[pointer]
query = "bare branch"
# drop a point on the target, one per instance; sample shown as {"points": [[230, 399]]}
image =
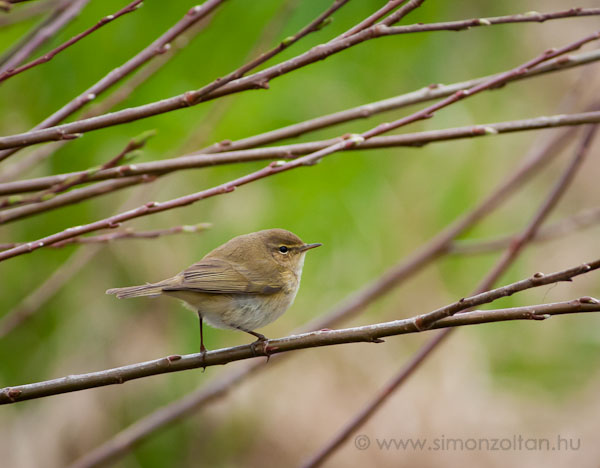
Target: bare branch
{"points": [[372, 19], [79, 178], [277, 167], [428, 93], [156, 48], [368, 333], [23, 14], [200, 160], [401, 12], [124, 234], [63, 15], [255, 81], [50, 55], [114, 99], [561, 228]]}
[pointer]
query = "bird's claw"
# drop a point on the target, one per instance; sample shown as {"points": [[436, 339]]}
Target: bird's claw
{"points": [[266, 349]]}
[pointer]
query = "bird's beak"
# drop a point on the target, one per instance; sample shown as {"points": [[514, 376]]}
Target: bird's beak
{"points": [[306, 247]]}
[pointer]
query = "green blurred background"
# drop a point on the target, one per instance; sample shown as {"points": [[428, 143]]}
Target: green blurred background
{"points": [[369, 209]]}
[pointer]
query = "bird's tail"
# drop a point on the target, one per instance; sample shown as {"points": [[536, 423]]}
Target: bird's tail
{"points": [[137, 291]]}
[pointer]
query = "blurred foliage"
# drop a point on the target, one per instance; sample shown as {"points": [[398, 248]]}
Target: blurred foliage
{"points": [[368, 208]]}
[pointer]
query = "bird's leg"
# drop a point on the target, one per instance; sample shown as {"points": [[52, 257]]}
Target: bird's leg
{"points": [[202, 347], [260, 339]]}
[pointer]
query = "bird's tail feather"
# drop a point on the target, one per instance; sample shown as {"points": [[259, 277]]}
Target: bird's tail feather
{"points": [[137, 291]]}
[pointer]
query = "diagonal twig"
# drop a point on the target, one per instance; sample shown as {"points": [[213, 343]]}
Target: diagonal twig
{"points": [[428, 320], [277, 167], [259, 80], [561, 228], [63, 15], [50, 55], [200, 160]]}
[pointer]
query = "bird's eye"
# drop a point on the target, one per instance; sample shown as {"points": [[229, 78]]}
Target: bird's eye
{"points": [[283, 249]]}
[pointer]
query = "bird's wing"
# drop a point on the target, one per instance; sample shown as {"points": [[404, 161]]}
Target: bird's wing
{"points": [[222, 277]]}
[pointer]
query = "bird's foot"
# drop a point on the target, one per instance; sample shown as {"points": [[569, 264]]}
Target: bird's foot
{"points": [[265, 349]]}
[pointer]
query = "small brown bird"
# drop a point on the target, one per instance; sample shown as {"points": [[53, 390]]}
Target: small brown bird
{"points": [[244, 284]]}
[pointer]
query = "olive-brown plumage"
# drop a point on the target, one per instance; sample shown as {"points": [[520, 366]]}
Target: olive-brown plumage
{"points": [[244, 284]]}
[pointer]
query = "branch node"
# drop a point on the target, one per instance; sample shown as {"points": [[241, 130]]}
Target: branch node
{"points": [[70, 136], [174, 357], [418, 322], [588, 300], [189, 98], [194, 10]]}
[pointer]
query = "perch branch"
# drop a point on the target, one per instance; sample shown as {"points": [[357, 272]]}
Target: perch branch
{"points": [[368, 333]]}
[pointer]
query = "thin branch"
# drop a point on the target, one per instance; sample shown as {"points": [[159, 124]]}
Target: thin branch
{"points": [[401, 12], [583, 220], [28, 306], [547, 206], [428, 93], [426, 321], [48, 288], [278, 167], [63, 15], [368, 333], [372, 19], [22, 14], [269, 34], [70, 198], [195, 161], [113, 100], [260, 80], [50, 55], [81, 177], [474, 22], [157, 47], [124, 234]]}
